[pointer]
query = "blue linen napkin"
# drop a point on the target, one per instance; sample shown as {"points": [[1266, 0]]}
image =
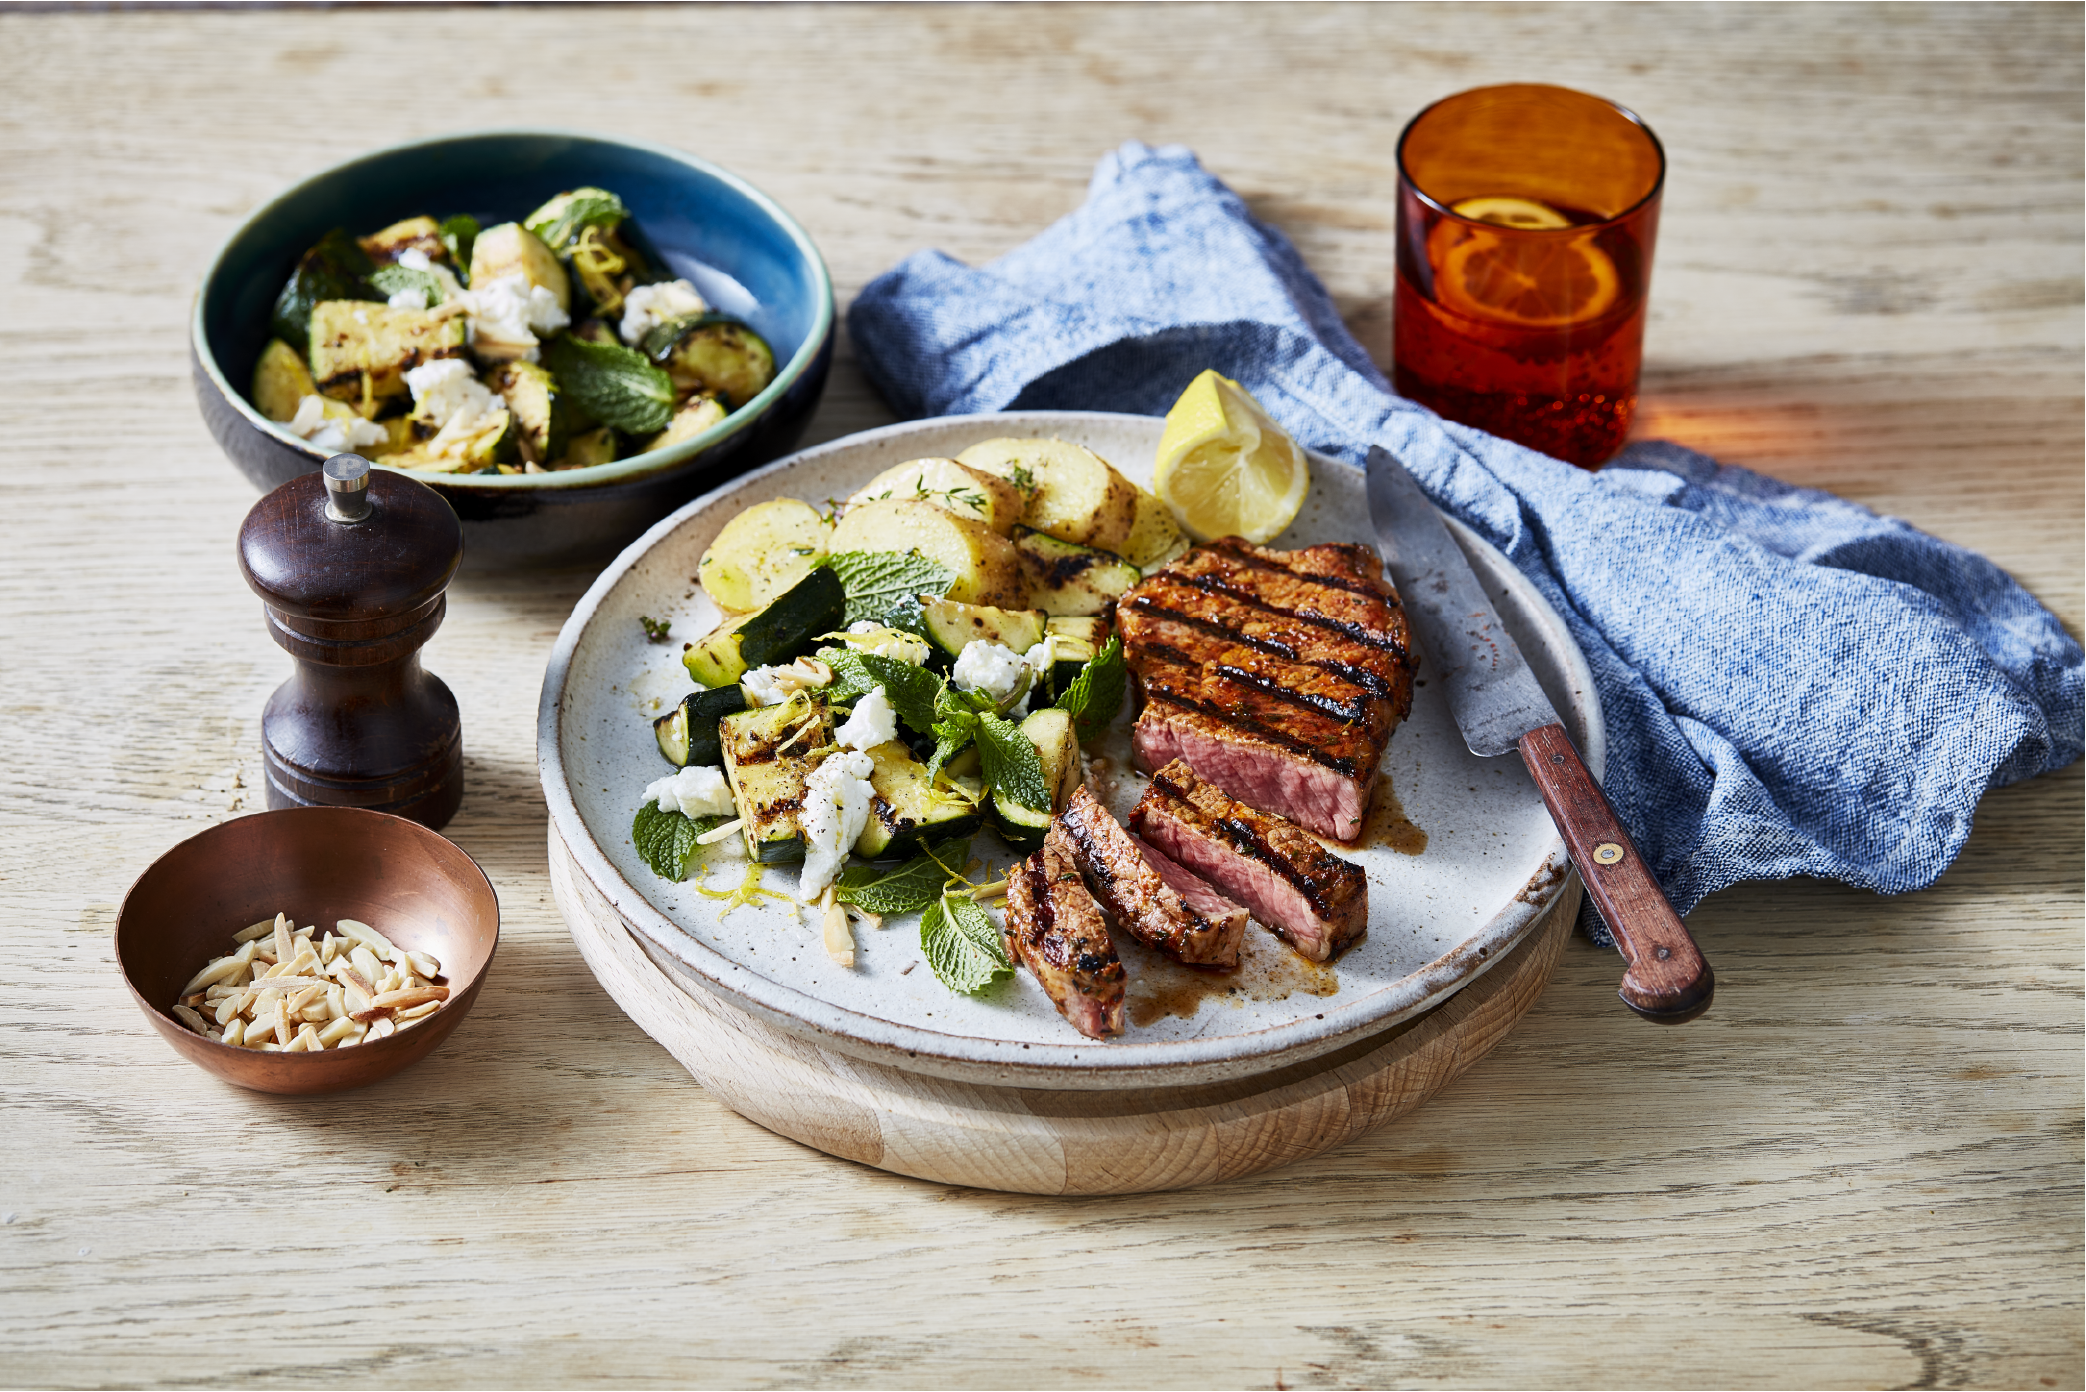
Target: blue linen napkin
{"points": [[1793, 684]]}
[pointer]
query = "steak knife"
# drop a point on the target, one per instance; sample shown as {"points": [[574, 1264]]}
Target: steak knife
{"points": [[1499, 707]]}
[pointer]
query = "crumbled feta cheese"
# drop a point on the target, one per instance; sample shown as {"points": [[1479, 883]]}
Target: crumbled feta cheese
{"points": [[993, 668], [508, 314], [1039, 658], [696, 791], [335, 436], [361, 317], [648, 306], [893, 643], [836, 807], [874, 722], [771, 686], [445, 392], [417, 297]]}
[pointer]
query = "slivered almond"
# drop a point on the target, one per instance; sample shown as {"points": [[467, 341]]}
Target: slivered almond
{"points": [[363, 933], [399, 1000], [287, 989]]}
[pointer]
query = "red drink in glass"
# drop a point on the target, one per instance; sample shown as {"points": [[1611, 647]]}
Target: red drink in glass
{"points": [[1526, 218]]}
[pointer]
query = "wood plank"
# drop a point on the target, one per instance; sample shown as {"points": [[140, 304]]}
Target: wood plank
{"points": [[1861, 1168]]}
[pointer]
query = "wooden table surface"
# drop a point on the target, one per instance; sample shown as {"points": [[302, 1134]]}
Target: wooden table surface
{"points": [[1862, 1168]]}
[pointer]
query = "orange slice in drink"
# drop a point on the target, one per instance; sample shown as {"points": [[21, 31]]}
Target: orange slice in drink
{"points": [[1527, 282]]}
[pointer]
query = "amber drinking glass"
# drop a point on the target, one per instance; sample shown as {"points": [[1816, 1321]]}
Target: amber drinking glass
{"points": [[1526, 215]]}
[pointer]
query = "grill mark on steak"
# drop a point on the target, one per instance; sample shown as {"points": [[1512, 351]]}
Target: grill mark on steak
{"points": [[1277, 675], [1239, 552], [1359, 633], [1150, 606], [1134, 893], [1247, 840], [1312, 898], [1310, 700], [1055, 929]]}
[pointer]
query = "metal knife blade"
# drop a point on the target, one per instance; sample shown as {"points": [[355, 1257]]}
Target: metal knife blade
{"points": [[1491, 691]]}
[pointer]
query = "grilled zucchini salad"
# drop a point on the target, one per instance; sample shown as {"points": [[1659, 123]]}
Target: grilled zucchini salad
{"points": [[894, 676], [555, 342]]}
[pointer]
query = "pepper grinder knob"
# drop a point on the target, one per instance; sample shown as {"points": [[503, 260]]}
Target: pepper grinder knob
{"points": [[352, 566], [347, 488]]}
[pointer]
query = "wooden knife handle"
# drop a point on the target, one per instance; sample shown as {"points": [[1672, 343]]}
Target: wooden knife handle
{"points": [[1668, 980]]}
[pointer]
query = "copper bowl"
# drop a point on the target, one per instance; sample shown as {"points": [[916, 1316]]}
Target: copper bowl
{"points": [[317, 864]]}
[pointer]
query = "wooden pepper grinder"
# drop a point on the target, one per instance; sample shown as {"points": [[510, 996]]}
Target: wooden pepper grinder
{"points": [[351, 566]]}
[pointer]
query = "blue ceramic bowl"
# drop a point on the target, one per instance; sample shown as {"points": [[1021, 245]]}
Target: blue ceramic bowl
{"points": [[745, 254]]}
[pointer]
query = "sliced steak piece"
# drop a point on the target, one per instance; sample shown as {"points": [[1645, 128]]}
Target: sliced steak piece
{"points": [[1278, 675], [1055, 929], [1195, 891], [1301, 890], [1135, 895]]}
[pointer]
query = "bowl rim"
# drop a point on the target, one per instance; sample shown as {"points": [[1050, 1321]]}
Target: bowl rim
{"points": [[618, 471], [465, 992]]}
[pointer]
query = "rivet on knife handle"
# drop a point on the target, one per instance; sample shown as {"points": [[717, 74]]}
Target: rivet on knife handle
{"points": [[1668, 979]]}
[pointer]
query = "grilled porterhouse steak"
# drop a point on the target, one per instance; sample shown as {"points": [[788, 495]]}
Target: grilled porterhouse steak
{"points": [[1295, 886], [1278, 675], [1055, 929], [1136, 896]]}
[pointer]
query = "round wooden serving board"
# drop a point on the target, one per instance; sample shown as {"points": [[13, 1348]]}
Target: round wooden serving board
{"points": [[1048, 1141]]}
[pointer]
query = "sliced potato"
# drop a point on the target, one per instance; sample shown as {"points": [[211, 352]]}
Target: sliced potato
{"points": [[1078, 498], [952, 487], [987, 570], [1155, 538], [762, 552]]}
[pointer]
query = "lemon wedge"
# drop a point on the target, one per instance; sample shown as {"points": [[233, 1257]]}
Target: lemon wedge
{"points": [[1225, 468]]}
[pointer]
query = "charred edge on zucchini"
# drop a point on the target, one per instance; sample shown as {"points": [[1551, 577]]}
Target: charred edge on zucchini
{"points": [[688, 733]]}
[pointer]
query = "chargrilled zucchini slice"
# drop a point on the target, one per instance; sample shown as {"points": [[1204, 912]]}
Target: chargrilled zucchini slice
{"points": [[362, 350], [955, 626], [687, 734], [281, 380], [540, 412], [812, 606], [1067, 579], [1057, 747], [767, 758], [909, 807]]}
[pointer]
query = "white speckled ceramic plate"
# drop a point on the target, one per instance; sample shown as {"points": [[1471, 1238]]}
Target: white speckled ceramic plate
{"points": [[1491, 864]]}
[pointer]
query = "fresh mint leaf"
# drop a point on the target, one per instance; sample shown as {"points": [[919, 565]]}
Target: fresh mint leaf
{"points": [[560, 221], [459, 234], [1096, 694], [912, 690], [666, 840], [961, 945], [910, 887], [391, 279], [613, 385], [1013, 769], [334, 268], [884, 586], [955, 725], [851, 680]]}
